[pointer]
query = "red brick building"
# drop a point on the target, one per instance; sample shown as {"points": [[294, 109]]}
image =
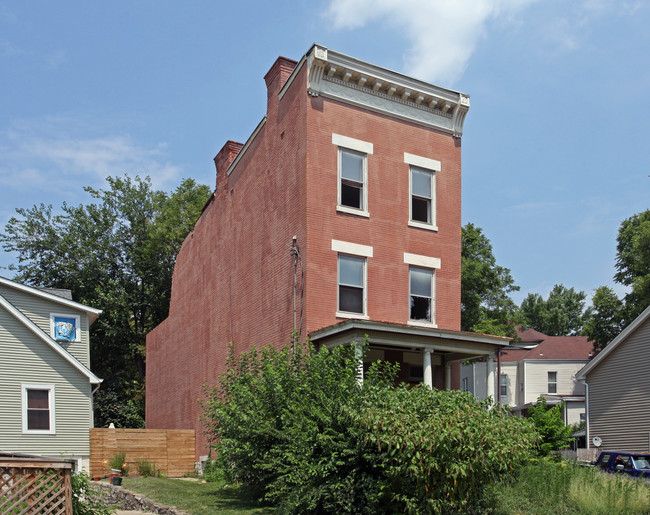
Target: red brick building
{"points": [[340, 216]]}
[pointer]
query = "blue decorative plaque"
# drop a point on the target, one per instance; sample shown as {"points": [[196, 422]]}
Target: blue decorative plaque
{"points": [[65, 329]]}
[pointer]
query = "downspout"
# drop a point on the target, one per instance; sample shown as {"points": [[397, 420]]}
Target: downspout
{"points": [[499, 376]]}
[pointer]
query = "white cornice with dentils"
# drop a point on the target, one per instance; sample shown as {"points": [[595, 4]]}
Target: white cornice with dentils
{"points": [[347, 79]]}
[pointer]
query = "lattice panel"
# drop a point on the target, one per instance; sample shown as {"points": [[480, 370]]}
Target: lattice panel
{"points": [[27, 491]]}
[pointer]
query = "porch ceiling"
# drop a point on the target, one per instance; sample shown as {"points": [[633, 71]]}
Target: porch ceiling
{"points": [[455, 345]]}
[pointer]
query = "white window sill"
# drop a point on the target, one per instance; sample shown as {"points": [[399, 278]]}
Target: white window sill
{"points": [[418, 323], [358, 316], [422, 225], [37, 432], [353, 211]]}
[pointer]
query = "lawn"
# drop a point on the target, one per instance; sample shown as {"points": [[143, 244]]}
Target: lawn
{"points": [[195, 497]]}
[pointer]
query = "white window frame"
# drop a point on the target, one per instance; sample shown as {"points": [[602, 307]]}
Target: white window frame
{"points": [[51, 408], [549, 382], [503, 384], [361, 147], [77, 337], [434, 264], [357, 251], [429, 165]]}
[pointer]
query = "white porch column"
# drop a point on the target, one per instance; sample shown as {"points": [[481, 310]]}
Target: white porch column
{"points": [[490, 376], [447, 376], [358, 354], [426, 366]]}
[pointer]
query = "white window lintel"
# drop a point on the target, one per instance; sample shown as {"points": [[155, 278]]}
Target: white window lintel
{"points": [[422, 162], [352, 143], [353, 249], [423, 261]]}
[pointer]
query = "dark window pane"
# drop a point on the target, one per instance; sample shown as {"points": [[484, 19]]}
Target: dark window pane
{"points": [[420, 308], [420, 210], [38, 420], [351, 195], [351, 299], [351, 271], [421, 183], [38, 399], [421, 281], [352, 165], [552, 388]]}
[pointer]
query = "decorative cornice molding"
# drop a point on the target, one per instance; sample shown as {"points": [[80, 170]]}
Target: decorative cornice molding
{"points": [[356, 82]]}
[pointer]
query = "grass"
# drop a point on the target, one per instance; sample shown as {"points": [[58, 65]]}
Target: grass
{"points": [[195, 497], [547, 488]]}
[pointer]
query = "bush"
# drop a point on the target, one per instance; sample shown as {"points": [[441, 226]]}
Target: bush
{"points": [[147, 469], [118, 462], [297, 427], [85, 500], [548, 422]]}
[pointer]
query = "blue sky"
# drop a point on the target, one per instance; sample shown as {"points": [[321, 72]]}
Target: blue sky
{"points": [[555, 145]]}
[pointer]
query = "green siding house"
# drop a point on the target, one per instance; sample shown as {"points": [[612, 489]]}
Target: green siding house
{"points": [[46, 386]]}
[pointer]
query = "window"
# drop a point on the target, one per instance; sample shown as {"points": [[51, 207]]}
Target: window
{"points": [[421, 293], [38, 408], [352, 174], [421, 289], [351, 284], [351, 278], [465, 386], [65, 328], [552, 382], [416, 373], [504, 385], [422, 188], [421, 195]]}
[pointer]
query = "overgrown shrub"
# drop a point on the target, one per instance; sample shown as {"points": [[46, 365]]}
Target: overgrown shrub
{"points": [[297, 426]]}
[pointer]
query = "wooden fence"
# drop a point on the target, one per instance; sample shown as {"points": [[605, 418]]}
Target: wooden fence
{"points": [[170, 450], [35, 485]]}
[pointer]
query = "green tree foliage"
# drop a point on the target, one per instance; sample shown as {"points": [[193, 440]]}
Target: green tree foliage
{"points": [[297, 426], [485, 304], [633, 262], [561, 314], [550, 426], [607, 317], [116, 254]]}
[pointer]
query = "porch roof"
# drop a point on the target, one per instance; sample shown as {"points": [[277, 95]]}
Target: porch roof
{"points": [[455, 345]]}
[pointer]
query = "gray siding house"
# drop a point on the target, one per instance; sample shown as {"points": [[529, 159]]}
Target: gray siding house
{"points": [[46, 386], [618, 391]]}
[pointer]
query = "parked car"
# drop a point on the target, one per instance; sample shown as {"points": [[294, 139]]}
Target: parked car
{"points": [[631, 463]]}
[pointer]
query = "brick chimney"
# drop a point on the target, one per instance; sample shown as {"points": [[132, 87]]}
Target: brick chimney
{"points": [[223, 160], [276, 77]]}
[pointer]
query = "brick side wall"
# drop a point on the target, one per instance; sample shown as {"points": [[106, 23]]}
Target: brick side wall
{"points": [[233, 280]]}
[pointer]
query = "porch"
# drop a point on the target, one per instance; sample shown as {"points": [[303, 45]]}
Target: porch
{"points": [[425, 354]]}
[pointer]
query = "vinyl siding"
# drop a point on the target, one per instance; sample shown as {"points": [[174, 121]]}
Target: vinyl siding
{"points": [[619, 395], [573, 411], [25, 359], [537, 378], [38, 311]]}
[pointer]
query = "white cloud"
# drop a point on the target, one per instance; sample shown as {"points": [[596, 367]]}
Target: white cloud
{"points": [[60, 155], [443, 34]]}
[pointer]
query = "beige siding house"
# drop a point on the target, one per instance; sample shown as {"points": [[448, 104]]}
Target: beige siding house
{"points": [[537, 365], [618, 391], [46, 386]]}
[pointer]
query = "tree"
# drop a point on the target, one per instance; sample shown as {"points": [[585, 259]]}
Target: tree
{"points": [[485, 304], [607, 317], [555, 435], [633, 262], [116, 254], [561, 314]]}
